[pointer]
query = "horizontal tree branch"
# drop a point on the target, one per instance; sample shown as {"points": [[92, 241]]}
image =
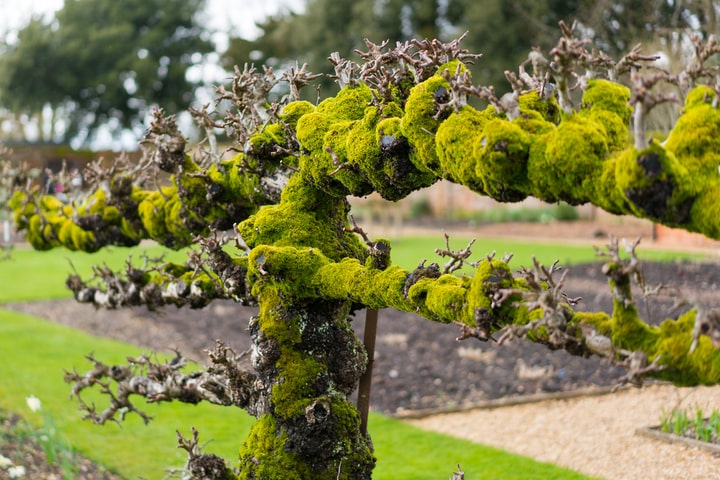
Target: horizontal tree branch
{"points": [[531, 306], [229, 381]]}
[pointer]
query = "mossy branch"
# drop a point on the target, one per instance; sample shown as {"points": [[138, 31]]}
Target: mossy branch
{"points": [[209, 274], [493, 300]]}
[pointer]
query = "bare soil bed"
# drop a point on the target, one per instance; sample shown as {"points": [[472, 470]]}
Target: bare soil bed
{"points": [[419, 366]]}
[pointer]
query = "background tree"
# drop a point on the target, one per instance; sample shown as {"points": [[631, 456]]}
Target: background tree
{"points": [[333, 26], [400, 122], [505, 31], [101, 63]]}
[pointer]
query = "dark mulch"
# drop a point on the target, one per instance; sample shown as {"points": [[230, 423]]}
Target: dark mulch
{"points": [[418, 363]]}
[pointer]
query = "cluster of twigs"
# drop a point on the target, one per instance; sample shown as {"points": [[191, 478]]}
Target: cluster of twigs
{"points": [[229, 380]]}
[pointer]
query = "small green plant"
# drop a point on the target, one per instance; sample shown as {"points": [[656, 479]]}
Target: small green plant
{"points": [[57, 450], [714, 423], [674, 422], [699, 426]]}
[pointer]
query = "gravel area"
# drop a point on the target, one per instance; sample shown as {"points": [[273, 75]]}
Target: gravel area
{"points": [[594, 435]]}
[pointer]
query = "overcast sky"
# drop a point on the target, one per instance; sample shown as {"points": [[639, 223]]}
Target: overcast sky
{"points": [[225, 15]]}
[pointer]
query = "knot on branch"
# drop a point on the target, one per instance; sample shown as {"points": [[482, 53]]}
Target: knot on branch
{"points": [[167, 140], [201, 465], [421, 271], [483, 328], [707, 323]]}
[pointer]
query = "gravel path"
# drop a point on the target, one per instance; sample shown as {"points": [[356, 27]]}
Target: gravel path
{"points": [[593, 435]]}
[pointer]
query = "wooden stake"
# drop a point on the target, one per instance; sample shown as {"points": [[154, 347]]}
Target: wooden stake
{"points": [[363, 401]]}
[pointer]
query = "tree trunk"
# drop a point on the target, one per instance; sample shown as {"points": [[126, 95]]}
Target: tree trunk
{"points": [[309, 360]]}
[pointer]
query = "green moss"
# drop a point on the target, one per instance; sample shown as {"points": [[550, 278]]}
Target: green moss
{"points": [[501, 156], [175, 217], [306, 217], [75, 238], [655, 184], [327, 144], [491, 276], [455, 138], [565, 164], [699, 96], [296, 379], [391, 110], [349, 279], [702, 367], [323, 167], [607, 194], [232, 186], [49, 203], [390, 171], [349, 104], [606, 104], [600, 321], [263, 455], [695, 141], [311, 129], [443, 298], [152, 214], [291, 268], [531, 103], [608, 96], [419, 126], [614, 128], [284, 225], [629, 331], [361, 148], [268, 450], [263, 141], [293, 111], [705, 212]]}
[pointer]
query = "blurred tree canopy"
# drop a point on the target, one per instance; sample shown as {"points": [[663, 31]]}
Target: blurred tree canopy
{"points": [[99, 63], [504, 31]]}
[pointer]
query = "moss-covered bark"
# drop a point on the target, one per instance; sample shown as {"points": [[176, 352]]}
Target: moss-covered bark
{"points": [[307, 271]]}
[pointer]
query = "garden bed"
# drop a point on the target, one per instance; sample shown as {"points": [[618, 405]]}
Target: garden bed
{"points": [[418, 363], [656, 433]]}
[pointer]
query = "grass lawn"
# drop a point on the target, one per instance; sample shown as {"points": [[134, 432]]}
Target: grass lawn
{"points": [[32, 275], [37, 352], [408, 251]]}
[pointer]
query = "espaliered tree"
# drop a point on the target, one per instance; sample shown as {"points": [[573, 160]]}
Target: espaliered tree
{"points": [[400, 122]]}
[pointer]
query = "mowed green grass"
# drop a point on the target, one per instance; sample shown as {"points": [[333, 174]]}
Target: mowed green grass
{"points": [[409, 251], [32, 275], [37, 351]]}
